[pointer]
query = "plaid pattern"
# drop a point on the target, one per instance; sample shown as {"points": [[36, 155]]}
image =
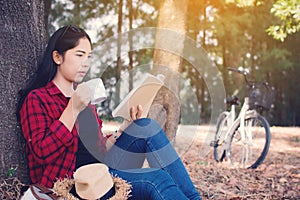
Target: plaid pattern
{"points": [[51, 147]]}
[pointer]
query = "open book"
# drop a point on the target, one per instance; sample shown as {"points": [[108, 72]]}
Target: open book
{"points": [[143, 94]]}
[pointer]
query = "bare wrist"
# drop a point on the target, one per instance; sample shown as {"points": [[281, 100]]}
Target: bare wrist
{"points": [[69, 116]]}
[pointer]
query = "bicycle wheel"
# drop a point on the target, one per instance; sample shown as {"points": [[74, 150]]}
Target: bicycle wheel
{"points": [[251, 152], [222, 127]]}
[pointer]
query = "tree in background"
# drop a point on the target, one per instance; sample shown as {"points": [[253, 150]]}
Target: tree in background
{"points": [[119, 46], [166, 105], [198, 25], [288, 13], [22, 42]]}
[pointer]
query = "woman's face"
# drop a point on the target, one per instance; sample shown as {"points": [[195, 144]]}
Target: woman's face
{"points": [[75, 63]]}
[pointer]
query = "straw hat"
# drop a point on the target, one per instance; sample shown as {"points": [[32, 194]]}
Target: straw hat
{"points": [[92, 181]]}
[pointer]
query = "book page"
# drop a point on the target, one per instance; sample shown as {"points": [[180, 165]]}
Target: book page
{"points": [[143, 94]]}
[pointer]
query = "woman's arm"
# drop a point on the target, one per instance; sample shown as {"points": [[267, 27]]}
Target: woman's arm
{"points": [[46, 136], [79, 100]]}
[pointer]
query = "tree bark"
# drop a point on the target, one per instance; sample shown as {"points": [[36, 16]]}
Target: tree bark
{"points": [[166, 106], [202, 97], [22, 41], [119, 60], [47, 10], [130, 53]]}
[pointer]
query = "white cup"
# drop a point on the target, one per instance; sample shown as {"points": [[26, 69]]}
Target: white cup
{"points": [[97, 89]]}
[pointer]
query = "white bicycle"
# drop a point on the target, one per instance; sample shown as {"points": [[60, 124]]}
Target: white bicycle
{"points": [[245, 139]]}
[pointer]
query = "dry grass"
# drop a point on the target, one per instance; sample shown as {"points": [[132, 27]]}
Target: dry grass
{"points": [[278, 177]]}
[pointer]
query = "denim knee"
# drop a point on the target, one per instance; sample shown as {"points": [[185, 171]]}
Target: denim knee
{"points": [[145, 122], [143, 128]]}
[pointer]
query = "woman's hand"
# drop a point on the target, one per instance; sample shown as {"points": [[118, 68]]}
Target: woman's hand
{"points": [[136, 113], [79, 101], [80, 98]]}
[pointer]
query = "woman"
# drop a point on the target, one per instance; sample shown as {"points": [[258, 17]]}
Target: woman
{"points": [[51, 113]]}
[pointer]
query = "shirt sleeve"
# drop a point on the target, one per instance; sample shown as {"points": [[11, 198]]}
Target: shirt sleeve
{"points": [[47, 137]]}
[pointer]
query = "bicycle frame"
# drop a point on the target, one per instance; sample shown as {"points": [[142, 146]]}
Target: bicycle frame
{"points": [[231, 118]]}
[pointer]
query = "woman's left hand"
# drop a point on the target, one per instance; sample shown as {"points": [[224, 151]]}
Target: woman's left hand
{"points": [[136, 113]]}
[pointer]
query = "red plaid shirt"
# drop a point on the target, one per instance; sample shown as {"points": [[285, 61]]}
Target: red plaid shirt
{"points": [[51, 147]]}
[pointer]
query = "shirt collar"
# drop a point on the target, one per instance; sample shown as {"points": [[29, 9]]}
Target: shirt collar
{"points": [[52, 88]]}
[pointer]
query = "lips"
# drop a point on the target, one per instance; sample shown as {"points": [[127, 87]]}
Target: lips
{"points": [[82, 73]]}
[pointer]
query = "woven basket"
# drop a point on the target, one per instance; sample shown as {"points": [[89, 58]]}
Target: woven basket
{"points": [[260, 95]]}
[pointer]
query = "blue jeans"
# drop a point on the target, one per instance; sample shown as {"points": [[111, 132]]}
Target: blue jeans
{"points": [[166, 178]]}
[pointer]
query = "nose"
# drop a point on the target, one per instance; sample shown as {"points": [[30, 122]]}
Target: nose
{"points": [[86, 63]]}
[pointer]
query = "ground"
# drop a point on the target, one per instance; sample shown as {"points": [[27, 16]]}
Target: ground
{"points": [[278, 177]]}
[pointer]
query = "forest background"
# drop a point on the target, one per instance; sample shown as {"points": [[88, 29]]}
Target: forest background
{"points": [[233, 34]]}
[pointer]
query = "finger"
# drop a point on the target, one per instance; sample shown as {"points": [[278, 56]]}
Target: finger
{"points": [[84, 92], [139, 111], [87, 100], [132, 113]]}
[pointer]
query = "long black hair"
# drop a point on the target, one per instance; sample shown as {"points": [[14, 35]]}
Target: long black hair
{"points": [[62, 40]]}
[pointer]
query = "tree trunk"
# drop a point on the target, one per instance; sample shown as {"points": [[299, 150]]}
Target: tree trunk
{"points": [[22, 41], [47, 10], [202, 97], [77, 13], [130, 53], [119, 61], [166, 106]]}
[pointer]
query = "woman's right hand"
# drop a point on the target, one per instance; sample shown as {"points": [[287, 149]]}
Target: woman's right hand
{"points": [[79, 101], [80, 98]]}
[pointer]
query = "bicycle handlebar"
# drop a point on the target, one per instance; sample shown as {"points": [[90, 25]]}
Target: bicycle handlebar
{"points": [[233, 69], [243, 72], [261, 93]]}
